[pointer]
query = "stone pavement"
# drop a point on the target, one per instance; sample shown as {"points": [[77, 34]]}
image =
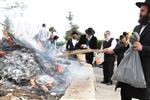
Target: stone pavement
{"points": [[105, 92]]}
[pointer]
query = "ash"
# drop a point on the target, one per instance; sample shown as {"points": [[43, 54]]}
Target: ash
{"points": [[19, 65], [16, 69]]}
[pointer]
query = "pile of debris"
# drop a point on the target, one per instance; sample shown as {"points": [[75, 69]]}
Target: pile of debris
{"points": [[17, 69], [31, 71], [19, 65]]}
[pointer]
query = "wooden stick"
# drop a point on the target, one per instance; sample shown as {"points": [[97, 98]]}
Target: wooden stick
{"points": [[80, 51]]}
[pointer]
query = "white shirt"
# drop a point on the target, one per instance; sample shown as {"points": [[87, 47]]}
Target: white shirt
{"points": [[74, 41], [142, 29], [43, 34]]}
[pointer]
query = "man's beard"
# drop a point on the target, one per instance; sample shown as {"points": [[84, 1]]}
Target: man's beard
{"points": [[144, 20]]}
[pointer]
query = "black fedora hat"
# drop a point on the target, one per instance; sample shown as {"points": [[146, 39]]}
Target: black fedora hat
{"points": [[90, 31], [147, 2]]}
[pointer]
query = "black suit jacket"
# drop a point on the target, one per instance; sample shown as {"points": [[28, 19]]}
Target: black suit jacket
{"points": [[145, 61], [145, 53], [70, 46], [92, 45], [92, 42]]}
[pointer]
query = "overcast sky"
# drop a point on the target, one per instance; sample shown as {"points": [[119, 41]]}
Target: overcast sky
{"points": [[114, 15]]}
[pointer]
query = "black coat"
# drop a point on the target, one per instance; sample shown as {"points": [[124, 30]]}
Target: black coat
{"points": [[145, 61], [92, 42], [70, 46], [145, 53], [92, 45], [119, 51]]}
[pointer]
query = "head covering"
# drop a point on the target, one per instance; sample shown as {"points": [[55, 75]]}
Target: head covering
{"points": [[90, 31], [147, 2], [125, 33]]}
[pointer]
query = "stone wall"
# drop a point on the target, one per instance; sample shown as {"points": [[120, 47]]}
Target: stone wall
{"points": [[82, 86]]}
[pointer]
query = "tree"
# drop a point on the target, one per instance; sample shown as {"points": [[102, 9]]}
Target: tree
{"points": [[52, 30], [99, 43], [72, 27]]}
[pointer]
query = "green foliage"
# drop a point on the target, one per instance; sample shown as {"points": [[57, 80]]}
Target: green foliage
{"points": [[99, 43], [61, 43], [52, 29], [68, 34], [73, 27]]}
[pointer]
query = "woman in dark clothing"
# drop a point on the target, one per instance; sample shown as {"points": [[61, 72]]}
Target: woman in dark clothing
{"points": [[120, 48], [72, 44]]}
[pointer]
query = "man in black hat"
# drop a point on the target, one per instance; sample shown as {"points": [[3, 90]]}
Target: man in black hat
{"points": [[88, 41], [143, 46]]}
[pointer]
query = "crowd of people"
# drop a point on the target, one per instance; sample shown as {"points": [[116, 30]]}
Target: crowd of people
{"points": [[45, 38], [113, 49]]}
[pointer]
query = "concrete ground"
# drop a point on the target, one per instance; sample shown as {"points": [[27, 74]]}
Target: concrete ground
{"points": [[105, 92]]}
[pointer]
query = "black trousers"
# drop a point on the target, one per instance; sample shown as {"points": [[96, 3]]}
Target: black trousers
{"points": [[108, 67], [89, 58], [125, 96]]}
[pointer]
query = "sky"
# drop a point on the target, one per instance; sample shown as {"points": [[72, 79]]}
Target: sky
{"points": [[116, 16]]}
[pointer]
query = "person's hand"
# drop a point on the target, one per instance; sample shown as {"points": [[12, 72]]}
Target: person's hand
{"points": [[88, 48], [83, 46], [107, 51], [59, 68], [137, 46]]}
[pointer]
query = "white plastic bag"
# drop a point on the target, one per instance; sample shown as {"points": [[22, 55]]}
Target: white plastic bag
{"points": [[130, 69], [99, 57]]}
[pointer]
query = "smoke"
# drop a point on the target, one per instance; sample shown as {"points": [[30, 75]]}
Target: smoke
{"points": [[47, 58]]}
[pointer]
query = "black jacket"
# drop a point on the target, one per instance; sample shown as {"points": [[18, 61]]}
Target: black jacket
{"points": [[70, 46], [119, 51], [92, 44], [145, 53], [145, 61]]}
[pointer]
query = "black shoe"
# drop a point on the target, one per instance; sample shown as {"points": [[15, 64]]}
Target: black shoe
{"points": [[104, 82], [109, 83]]}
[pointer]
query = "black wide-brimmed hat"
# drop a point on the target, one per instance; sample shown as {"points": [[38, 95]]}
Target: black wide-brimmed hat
{"points": [[90, 31], [147, 2]]}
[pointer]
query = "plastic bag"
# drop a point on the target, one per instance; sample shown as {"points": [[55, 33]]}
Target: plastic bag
{"points": [[130, 69], [99, 57]]}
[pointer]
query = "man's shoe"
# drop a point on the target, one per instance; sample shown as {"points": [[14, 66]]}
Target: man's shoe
{"points": [[104, 82], [109, 83]]}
